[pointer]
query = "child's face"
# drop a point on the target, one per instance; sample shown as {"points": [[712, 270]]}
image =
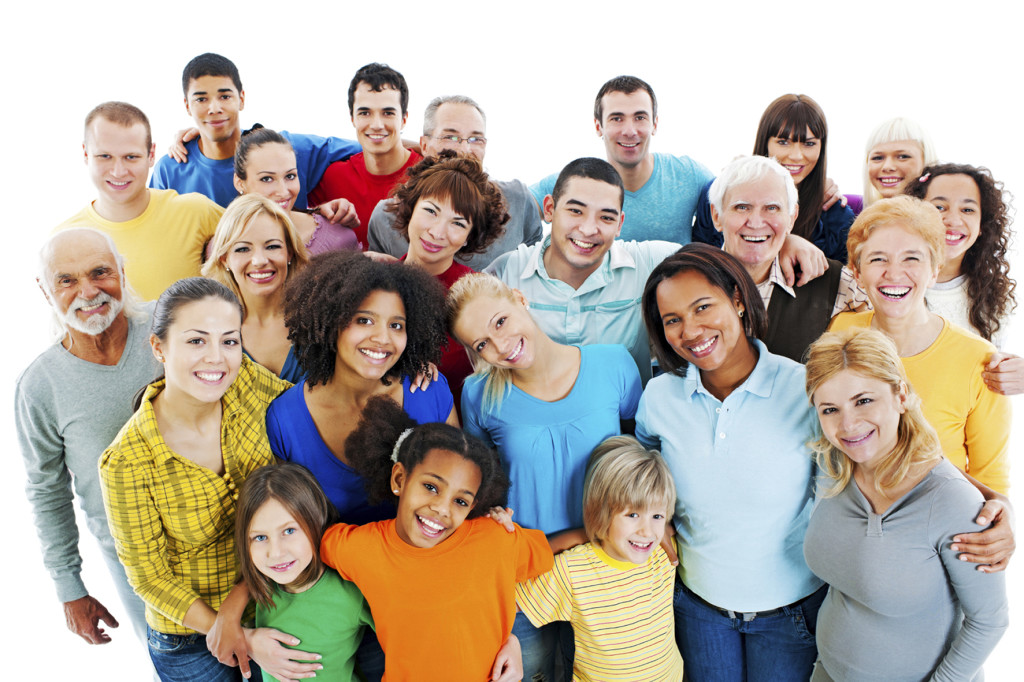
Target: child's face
{"points": [[279, 548], [635, 534], [435, 497]]}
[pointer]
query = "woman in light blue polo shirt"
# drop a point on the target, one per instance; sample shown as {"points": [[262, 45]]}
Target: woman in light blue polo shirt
{"points": [[732, 421]]}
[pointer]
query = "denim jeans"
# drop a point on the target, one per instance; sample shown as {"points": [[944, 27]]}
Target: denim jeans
{"points": [[540, 646], [185, 658], [717, 648]]}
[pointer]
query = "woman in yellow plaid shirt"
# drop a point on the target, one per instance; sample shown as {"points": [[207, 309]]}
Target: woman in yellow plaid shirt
{"points": [[171, 477]]}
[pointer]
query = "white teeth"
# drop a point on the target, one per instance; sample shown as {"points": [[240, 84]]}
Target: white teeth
{"points": [[894, 292], [119, 184], [754, 239], [857, 439], [889, 182], [261, 275], [375, 354], [516, 351], [90, 308], [210, 376], [583, 245], [629, 145], [641, 545], [954, 237], [702, 347], [431, 524]]}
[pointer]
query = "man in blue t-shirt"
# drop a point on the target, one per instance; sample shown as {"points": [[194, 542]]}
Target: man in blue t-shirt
{"points": [[203, 160], [661, 190]]}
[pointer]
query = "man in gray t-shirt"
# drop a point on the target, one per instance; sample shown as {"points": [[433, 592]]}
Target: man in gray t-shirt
{"points": [[70, 403], [457, 122]]}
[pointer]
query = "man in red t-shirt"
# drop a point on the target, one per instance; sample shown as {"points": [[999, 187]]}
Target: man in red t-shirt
{"points": [[378, 101]]}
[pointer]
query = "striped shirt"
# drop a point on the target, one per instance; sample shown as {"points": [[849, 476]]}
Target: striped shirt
{"points": [[173, 521], [621, 613]]}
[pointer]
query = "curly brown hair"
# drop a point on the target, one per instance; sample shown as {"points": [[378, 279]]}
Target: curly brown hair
{"points": [[462, 181], [323, 299], [990, 291]]}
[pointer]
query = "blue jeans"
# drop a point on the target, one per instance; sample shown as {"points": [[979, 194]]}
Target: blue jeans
{"points": [[185, 658], [539, 647], [717, 648]]}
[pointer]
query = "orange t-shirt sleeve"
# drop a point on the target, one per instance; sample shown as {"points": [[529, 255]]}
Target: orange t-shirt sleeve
{"points": [[336, 549], [533, 554]]}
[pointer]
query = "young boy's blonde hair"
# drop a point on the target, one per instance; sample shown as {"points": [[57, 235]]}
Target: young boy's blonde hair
{"points": [[622, 474]]}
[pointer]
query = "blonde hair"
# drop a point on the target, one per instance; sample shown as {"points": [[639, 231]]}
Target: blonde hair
{"points": [[896, 130], [474, 285], [913, 215], [871, 354], [622, 474], [236, 219]]}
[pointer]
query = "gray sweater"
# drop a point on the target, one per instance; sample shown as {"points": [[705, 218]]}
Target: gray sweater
{"points": [[900, 605], [523, 227], [67, 411]]}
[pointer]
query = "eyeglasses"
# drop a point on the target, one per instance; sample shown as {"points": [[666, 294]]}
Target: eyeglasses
{"points": [[457, 140]]}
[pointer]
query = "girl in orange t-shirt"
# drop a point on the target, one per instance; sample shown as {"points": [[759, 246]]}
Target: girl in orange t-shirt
{"points": [[440, 580]]}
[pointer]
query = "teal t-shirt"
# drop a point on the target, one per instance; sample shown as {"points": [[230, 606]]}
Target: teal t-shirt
{"points": [[328, 619]]}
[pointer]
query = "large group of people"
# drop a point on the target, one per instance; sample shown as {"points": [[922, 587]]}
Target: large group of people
{"points": [[365, 418]]}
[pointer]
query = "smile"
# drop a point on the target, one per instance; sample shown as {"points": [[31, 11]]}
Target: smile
{"points": [[857, 440], [516, 352], [894, 293], [889, 181], [629, 145], [704, 348], [261, 276], [793, 169], [430, 247], [641, 546], [954, 238], [754, 238], [210, 377], [282, 568], [431, 529], [90, 308], [376, 355], [583, 246], [119, 184]]}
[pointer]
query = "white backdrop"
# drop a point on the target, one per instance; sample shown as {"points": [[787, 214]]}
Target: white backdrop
{"points": [[535, 68]]}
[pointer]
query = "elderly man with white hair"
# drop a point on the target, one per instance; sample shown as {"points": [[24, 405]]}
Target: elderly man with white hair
{"points": [[68, 406], [754, 206]]}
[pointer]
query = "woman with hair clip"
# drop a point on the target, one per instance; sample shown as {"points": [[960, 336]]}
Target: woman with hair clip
{"points": [[901, 605], [254, 252], [265, 164], [448, 207], [793, 131], [544, 406], [170, 478]]}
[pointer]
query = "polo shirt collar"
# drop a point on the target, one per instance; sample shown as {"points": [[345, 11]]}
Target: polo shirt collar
{"points": [[617, 257], [759, 382]]}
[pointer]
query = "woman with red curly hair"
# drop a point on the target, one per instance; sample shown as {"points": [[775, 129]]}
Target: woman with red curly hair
{"points": [[448, 206]]}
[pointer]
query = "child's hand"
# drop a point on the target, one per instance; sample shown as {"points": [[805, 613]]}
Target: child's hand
{"points": [[508, 664], [266, 646], [423, 380], [503, 516]]}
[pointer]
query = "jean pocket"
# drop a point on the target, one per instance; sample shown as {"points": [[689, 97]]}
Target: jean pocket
{"points": [[163, 643]]}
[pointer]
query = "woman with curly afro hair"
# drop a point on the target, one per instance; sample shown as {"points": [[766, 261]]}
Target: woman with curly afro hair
{"points": [[448, 206], [359, 329]]}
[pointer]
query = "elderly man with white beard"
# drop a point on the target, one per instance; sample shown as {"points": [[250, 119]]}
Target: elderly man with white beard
{"points": [[68, 406]]}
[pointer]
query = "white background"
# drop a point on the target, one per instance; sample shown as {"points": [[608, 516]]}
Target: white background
{"points": [[535, 68]]}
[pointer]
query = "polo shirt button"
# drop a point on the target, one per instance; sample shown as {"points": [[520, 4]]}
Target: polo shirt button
{"points": [[721, 435]]}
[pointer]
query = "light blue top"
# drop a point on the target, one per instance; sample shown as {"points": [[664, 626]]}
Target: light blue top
{"points": [[663, 208], [544, 446], [606, 307], [215, 178], [744, 481]]}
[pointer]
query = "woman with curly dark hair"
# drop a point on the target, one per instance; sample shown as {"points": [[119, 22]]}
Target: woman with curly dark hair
{"points": [[448, 206], [974, 289], [359, 329]]}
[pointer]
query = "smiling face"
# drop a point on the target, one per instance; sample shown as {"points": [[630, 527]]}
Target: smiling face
{"points": [[460, 120], [860, 415], [754, 223], [271, 171], [84, 282], [627, 124], [278, 545], [435, 497], [634, 534], [213, 102], [892, 164], [378, 119], [703, 326], [202, 350], [499, 330], [374, 340], [799, 158], [118, 161], [959, 201], [895, 269], [258, 260], [584, 224], [436, 233]]}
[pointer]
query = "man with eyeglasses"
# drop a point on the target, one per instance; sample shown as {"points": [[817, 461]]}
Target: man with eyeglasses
{"points": [[378, 103], [457, 122]]}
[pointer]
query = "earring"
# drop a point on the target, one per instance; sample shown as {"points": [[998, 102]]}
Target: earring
{"points": [[160, 358], [741, 314], [395, 491], [227, 269]]}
